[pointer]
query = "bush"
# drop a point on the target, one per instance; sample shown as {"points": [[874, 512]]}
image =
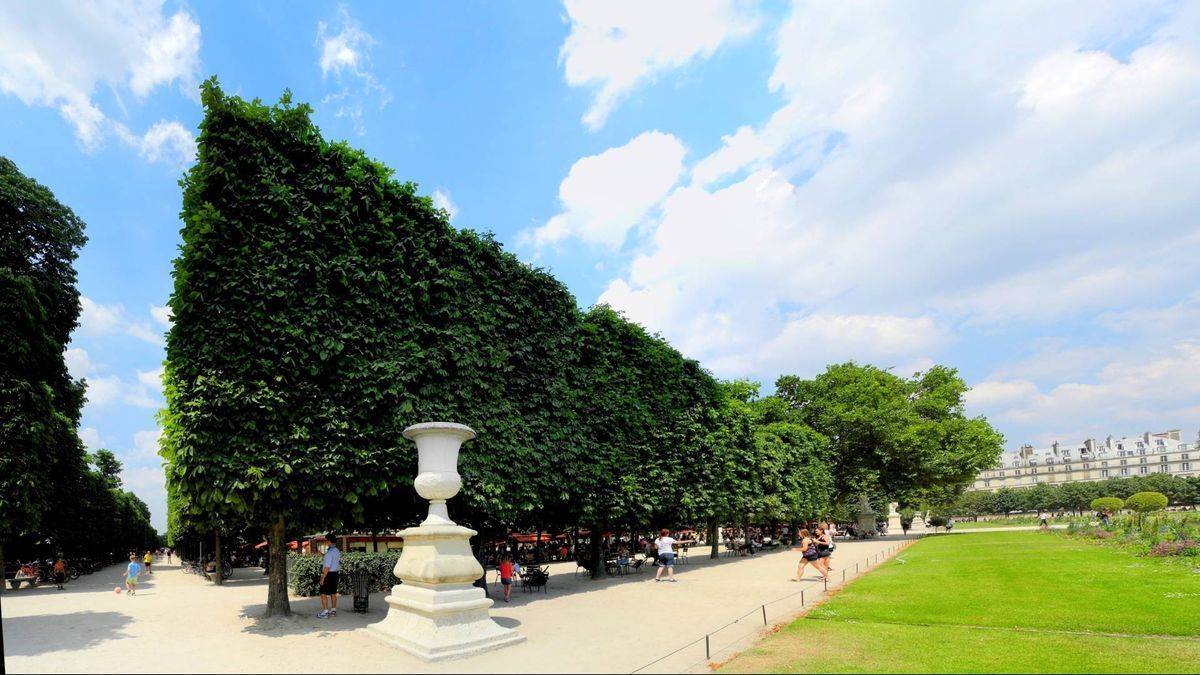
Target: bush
{"points": [[1146, 502], [305, 576], [1170, 548], [937, 520], [1113, 504]]}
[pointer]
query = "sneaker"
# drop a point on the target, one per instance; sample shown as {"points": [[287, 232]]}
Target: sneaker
{"points": [[333, 612], [323, 614]]}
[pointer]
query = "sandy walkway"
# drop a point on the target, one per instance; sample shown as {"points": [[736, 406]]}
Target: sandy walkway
{"points": [[616, 624]]}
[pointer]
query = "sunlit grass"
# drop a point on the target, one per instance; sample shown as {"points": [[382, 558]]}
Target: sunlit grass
{"points": [[999, 601]]}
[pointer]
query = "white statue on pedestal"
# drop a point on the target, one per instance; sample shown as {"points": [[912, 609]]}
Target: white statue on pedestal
{"points": [[437, 612]]}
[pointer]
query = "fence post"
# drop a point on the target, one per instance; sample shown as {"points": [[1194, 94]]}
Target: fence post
{"points": [[764, 609], [827, 583], [707, 653], [801, 598], [844, 572]]}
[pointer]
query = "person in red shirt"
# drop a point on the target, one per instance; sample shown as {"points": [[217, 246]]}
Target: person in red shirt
{"points": [[506, 575]]}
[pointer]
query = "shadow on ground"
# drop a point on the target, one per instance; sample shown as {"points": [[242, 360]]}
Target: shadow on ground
{"points": [[31, 635]]}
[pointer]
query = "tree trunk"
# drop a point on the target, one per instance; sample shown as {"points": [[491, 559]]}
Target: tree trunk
{"points": [[714, 539], [374, 542], [594, 553], [217, 558], [277, 593]]}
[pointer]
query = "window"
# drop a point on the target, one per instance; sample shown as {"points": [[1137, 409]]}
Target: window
{"points": [[1104, 473], [1186, 466], [1104, 463], [1124, 462], [1067, 467], [1120, 447], [1142, 469], [1162, 468], [1124, 471], [1163, 459], [1142, 460], [1183, 456]]}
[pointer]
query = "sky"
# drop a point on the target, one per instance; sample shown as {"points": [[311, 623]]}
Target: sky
{"points": [[1009, 189]]}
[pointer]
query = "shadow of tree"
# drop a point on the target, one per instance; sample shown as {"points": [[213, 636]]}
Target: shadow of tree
{"points": [[47, 633]]}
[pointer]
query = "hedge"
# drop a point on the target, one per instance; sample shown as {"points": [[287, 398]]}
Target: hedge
{"points": [[1145, 502], [305, 574]]}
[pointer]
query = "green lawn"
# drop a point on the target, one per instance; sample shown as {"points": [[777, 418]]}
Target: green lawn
{"points": [[999, 601], [1021, 521]]}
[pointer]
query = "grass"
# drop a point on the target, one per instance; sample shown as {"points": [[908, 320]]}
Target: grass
{"points": [[1017, 521], [998, 602]]}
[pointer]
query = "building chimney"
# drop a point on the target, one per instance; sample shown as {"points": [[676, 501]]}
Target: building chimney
{"points": [[1146, 437], [1090, 444], [1055, 447], [1108, 442]]}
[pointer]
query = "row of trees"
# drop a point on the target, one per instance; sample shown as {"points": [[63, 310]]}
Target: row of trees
{"points": [[1075, 496], [320, 307], [51, 499]]}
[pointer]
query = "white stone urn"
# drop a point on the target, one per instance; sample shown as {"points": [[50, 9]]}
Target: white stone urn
{"points": [[437, 612], [437, 465]]}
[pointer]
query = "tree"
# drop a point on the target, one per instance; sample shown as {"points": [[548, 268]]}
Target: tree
{"points": [[109, 467], [893, 436], [40, 402], [320, 307], [1146, 502], [1112, 504]]}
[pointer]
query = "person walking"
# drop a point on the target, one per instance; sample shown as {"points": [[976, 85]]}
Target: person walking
{"points": [[506, 575], [331, 565], [60, 573], [666, 555], [131, 574], [168, 556], [147, 559], [824, 543], [808, 556]]}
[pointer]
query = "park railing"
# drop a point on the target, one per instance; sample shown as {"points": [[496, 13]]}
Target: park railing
{"points": [[741, 631]]}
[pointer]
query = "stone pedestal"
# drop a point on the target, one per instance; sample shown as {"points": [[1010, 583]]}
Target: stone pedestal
{"points": [[436, 613], [866, 518]]}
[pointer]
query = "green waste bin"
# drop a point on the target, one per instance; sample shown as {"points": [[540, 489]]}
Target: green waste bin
{"points": [[361, 581]]}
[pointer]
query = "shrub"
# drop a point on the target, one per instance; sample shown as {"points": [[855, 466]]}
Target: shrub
{"points": [[305, 575], [1170, 548], [1113, 504], [937, 520], [1146, 502]]}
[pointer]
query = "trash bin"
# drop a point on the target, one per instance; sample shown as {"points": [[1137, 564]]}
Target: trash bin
{"points": [[362, 590]]}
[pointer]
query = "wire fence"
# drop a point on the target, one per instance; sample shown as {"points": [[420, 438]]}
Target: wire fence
{"points": [[727, 638]]}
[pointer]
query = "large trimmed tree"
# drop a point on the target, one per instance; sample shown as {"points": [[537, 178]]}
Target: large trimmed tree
{"points": [[320, 307], [40, 451]]}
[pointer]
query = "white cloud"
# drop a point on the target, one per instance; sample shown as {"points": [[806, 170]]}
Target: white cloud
{"points": [[344, 56], [99, 320], [928, 173], [165, 142], [161, 315], [606, 195], [91, 438], [441, 199], [56, 55], [147, 391], [145, 444], [149, 483], [79, 364], [1134, 393], [103, 391], [616, 46]]}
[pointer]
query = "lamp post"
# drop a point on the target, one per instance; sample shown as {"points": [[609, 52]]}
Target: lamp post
{"points": [[436, 612]]}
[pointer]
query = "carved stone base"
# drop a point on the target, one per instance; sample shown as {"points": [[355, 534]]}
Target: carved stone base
{"points": [[437, 613]]}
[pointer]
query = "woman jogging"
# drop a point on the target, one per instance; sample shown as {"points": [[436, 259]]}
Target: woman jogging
{"points": [[808, 556], [824, 544]]}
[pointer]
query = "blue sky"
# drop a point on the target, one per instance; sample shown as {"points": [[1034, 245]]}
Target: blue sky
{"points": [[1005, 188]]}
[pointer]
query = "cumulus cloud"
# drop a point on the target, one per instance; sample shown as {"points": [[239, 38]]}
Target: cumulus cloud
{"points": [[91, 438], [145, 444], [931, 174], [161, 315], [99, 320], [606, 195], [57, 54], [616, 46], [79, 364], [344, 58]]}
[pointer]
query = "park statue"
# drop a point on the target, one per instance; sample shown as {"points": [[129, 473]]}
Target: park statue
{"points": [[436, 612]]}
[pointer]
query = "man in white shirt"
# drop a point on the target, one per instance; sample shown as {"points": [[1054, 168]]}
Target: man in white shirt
{"points": [[330, 568], [666, 555]]}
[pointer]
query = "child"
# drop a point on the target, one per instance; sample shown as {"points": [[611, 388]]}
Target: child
{"points": [[60, 573], [506, 575], [131, 574]]}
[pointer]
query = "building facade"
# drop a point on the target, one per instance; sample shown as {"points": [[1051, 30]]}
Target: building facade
{"points": [[1164, 452]]}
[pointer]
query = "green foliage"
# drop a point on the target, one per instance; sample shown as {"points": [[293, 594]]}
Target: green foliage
{"points": [[108, 466], [1113, 504], [894, 436], [305, 574], [1076, 496], [1146, 502], [47, 491]]}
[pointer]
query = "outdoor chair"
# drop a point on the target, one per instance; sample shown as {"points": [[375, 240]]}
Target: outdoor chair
{"points": [[535, 578]]}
